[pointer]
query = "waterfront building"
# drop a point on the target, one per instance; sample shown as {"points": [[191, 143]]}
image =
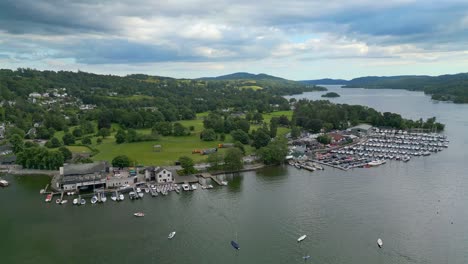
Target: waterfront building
{"points": [[82, 176], [158, 174], [118, 177]]}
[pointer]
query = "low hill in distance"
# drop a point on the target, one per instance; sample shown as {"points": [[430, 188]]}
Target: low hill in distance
{"points": [[449, 87], [326, 81]]}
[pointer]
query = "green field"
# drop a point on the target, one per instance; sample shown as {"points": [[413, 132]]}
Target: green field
{"points": [[172, 147], [252, 87]]}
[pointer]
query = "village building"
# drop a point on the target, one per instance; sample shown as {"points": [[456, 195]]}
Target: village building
{"points": [[118, 177], [360, 129], [82, 176], [158, 174]]}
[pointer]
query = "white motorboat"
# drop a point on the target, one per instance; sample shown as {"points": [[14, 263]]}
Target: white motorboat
{"points": [[58, 201], [138, 190], [147, 190], [114, 197], [185, 187], [139, 214], [83, 202], [42, 191], [224, 183], [194, 186], [94, 199], [132, 195], [141, 194], [103, 197], [171, 235], [301, 238], [209, 186], [121, 197], [376, 163], [64, 202], [379, 243]]}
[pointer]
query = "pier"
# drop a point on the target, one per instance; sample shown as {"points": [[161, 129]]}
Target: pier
{"points": [[207, 175]]}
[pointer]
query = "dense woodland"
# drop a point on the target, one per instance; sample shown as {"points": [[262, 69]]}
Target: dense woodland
{"points": [[315, 115], [444, 87]]}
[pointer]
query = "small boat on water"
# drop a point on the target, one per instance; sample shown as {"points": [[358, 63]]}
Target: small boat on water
{"points": [[224, 183], [42, 191], [171, 235], [75, 201], [82, 202], [194, 186], [132, 195], [186, 187], [147, 190], [209, 186], [103, 197], [114, 197], [141, 195], [3, 183], [235, 245], [57, 201], [305, 257], [94, 199], [139, 214], [138, 190], [379, 243], [48, 198], [301, 238], [121, 197], [64, 202]]}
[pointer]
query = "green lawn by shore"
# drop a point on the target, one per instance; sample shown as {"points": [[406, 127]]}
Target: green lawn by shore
{"points": [[172, 147]]}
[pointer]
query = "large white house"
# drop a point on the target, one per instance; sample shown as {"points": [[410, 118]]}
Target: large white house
{"points": [[158, 174]]}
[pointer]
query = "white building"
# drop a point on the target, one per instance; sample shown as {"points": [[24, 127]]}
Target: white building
{"points": [[158, 174]]}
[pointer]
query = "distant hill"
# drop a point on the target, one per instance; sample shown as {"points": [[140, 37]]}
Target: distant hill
{"points": [[449, 87], [243, 76], [326, 81]]}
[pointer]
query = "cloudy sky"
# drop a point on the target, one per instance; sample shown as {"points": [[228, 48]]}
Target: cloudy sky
{"points": [[303, 39]]}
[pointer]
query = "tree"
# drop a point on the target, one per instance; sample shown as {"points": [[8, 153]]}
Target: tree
{"points": [[17, 143], [233, 160], [121, 161], [257, 117], [295, 132], [87, 127], [132, 136], [77, 132], [243, 124], [274, 126], [324, 139], [99, 140], [104, 132], [86, 141], [68, 139], [187, 165], [208, 135], [67, 154], [222, 137], [215, 160], [240, 146], [261, 138], [180, 130], [120, 136], [275, 152], [284, 121], [240, 135], [53, 143], [314, 125], [163, 128]]}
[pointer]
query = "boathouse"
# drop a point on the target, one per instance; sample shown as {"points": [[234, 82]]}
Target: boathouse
{"points": [[83, 176], [121, 177]]}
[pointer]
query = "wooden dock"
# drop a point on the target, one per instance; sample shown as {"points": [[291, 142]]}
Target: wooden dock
{"points": [[329, 165], [207, 175]]}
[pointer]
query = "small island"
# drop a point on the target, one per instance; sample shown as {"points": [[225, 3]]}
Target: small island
{"points": [[331, 95]]}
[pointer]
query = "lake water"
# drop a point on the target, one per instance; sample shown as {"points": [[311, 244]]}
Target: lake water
{"points": [[419, 209]]}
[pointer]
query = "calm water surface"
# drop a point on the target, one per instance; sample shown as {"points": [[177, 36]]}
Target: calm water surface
{"points": [[411, 206]]}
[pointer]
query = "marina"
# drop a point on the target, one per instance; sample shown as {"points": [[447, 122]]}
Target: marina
{"points": [[377, 148]]}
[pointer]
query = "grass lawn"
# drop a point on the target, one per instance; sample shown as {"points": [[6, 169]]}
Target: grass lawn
{"points": [[253, 87], [172, 147]]}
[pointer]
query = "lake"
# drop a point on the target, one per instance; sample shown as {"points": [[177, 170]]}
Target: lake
{"points": [[418, 208]]}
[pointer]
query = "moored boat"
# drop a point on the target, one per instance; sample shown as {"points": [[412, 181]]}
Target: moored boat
{"points": [[64, 202], [301, 238], [94, 199], [114, 197], [139, 214], [82, 202], [194, 186], [75, 201], [171, 235], [103, 197], [57, 201], [3, 183], [121, 197], [48, 198], [379, 243]]}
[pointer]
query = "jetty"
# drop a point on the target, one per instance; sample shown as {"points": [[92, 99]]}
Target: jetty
{"points": [[207, 175]]}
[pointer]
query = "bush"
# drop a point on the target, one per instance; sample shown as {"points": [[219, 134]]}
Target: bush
{"points": [[121, 161], [208, 135], [53, 143]]}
